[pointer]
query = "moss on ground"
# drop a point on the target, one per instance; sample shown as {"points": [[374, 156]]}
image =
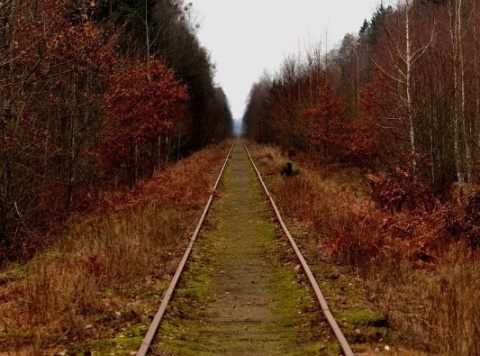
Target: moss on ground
{"points": [[124, 342], [243, 292]]}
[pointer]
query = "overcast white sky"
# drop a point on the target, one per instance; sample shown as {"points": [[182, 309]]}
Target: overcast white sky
{"points": [[247, 37]]}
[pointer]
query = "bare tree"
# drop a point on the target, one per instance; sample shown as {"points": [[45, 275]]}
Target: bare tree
{"points": [[403, 55]]}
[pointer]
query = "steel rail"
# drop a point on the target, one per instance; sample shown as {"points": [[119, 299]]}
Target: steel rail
{"points": [[321, 299], [152, 330]]}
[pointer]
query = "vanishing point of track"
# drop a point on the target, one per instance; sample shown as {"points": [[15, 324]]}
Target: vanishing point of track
{"points": [[149, 337]]}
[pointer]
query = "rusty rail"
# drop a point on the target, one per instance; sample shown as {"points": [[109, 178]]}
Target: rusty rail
{"points": [[148, 339], [321, 299], [152, 330]]}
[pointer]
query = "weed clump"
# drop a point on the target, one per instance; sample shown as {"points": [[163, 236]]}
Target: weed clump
{"points": [[416, 257], [288, 171], [113, 261]]}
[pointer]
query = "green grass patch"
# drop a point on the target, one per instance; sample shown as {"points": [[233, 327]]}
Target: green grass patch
{"points": [[243, 291]]}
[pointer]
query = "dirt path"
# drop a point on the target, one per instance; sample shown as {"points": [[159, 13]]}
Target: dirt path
{"points": [[242, 293]]}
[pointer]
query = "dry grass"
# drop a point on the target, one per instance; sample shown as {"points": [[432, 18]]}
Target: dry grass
{"points": [[120, 256], [454, 312], [426, 283]]}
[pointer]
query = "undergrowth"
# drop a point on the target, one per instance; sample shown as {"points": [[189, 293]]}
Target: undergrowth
{"points": [[106, 275], [416, 257]]}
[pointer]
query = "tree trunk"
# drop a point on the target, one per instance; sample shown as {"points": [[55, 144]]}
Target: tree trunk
{"points": [[408, 86], [134, 162], [466, 129], [477, 97]]}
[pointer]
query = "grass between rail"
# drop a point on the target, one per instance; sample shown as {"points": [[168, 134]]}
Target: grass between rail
{"points": [[392, 279], [96, 290], [243, 292]]}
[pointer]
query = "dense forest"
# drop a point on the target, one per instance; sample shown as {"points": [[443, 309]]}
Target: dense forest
{"points": [[401, 98], [95, 95], [390, 120], [370, 149]]}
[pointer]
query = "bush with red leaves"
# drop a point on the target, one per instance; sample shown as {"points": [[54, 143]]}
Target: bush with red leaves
{"points": [[471, 220], [400, 189]]}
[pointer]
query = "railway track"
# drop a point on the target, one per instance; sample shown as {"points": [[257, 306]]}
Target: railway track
{"points": [[237, 293]]}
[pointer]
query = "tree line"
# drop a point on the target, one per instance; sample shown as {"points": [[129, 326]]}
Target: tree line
{"points": [[401, 97], [94, 95]]}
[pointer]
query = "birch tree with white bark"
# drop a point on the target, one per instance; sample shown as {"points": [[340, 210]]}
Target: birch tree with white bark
{"points": [[403, 53]]}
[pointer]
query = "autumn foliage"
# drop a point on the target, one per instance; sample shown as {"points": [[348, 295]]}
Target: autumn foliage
{"points": [[416, 258], [375, 137], [54, 67], [87, 105], [101, 278], [326, 124], [407, 140], [408, 88], [142, 105]]}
